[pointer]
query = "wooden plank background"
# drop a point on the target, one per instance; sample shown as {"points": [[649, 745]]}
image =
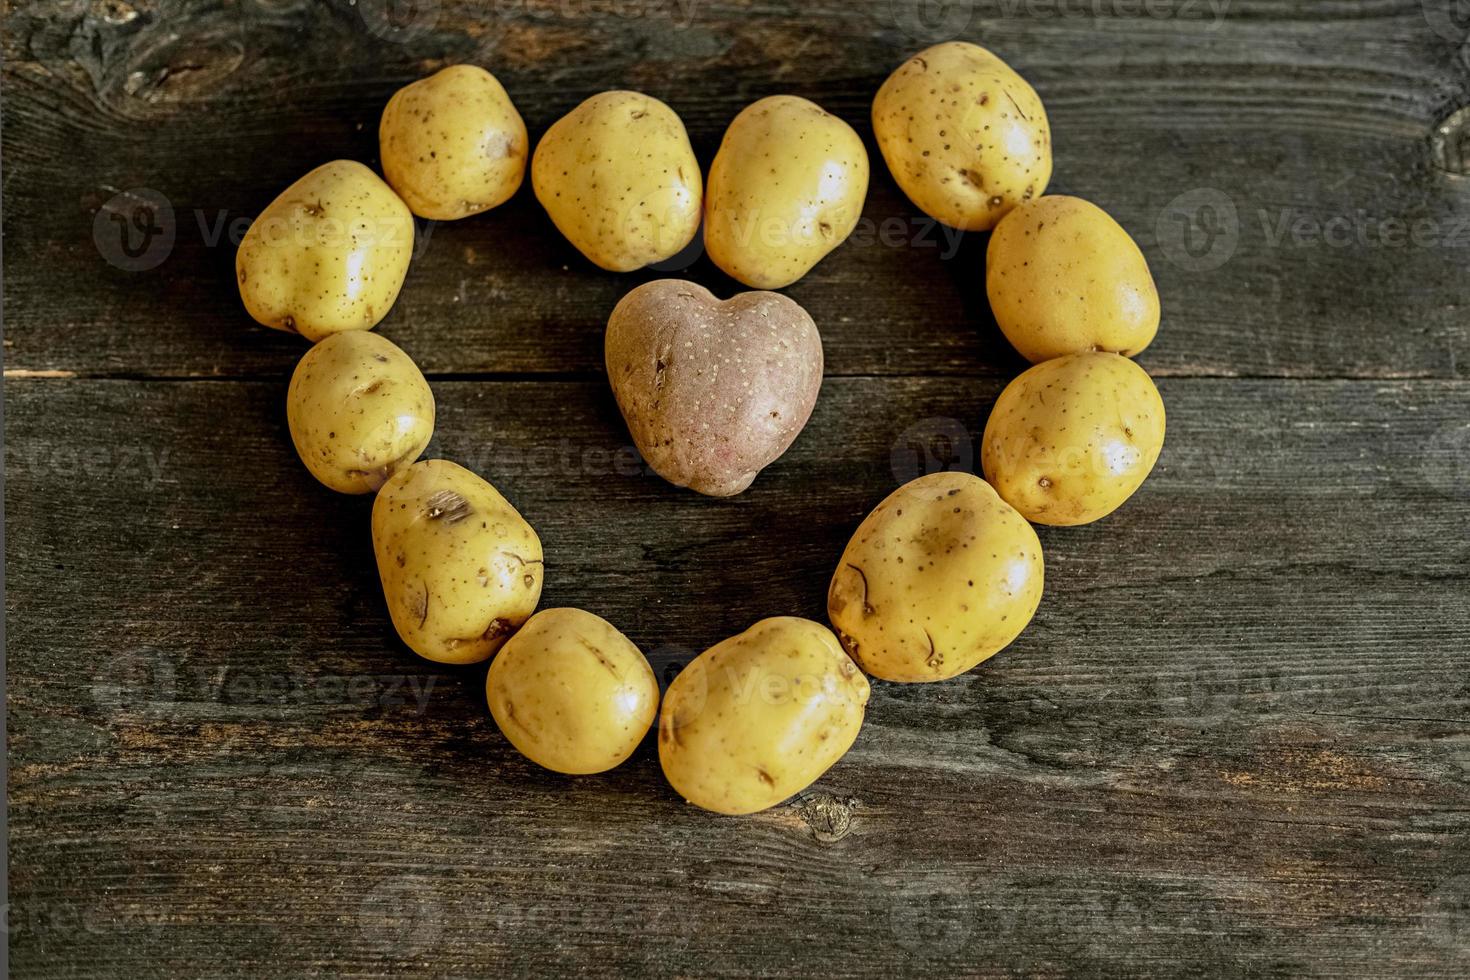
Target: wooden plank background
{"points": [[1235, 740]]}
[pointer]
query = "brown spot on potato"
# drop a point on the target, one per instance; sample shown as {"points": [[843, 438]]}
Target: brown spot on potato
{"points": [[421, 606], [497, 629], [448, 506], [867, 606], [935, 660], [1017, 106], [592, 649]]}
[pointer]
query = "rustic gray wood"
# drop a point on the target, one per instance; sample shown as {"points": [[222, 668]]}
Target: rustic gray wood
{"points": [[1309, 116], [1235, 740]]}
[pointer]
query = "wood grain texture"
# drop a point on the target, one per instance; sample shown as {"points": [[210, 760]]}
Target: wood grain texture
{"points": [[1233, 741], [1292, 138]]}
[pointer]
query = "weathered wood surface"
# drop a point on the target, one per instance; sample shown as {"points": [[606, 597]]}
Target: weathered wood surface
{"points": [[1313, 121], [1235, 741]]}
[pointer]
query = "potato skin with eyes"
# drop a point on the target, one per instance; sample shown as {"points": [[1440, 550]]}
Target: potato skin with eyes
{"points": [[453, 144], [965, 137], [942, 575], [461, 569], [571, 692], [1071, 438], [619, 179], [329, 254], [1064, 277], [359, 410], [786, 187], [760, 716]]}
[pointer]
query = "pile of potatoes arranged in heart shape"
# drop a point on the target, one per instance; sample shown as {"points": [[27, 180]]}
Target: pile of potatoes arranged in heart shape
{"points": [[941, 575]]}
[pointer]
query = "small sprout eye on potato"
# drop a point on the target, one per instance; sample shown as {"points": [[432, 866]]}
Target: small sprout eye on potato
{"points": [[453, 144], [1071, 438], [965, 137], [359, 410], [786, 187], [461, 569], [760, 716], [941, 575], [1063, 277], [329, 254], [713, 392], [619, 179], [571, 693]]}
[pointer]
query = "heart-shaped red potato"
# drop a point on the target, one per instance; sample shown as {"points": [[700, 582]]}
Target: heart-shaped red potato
{"points": [[713, 391]]}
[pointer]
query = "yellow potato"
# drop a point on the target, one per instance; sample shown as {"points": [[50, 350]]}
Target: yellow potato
{"points": [[965, 137], [1071, 438], [359, 410], [453, 144], [619, 179], [941, 575], [328, 255], [571, 693], [461, 569], [1064, 277], [786, 187], [760, 716]]}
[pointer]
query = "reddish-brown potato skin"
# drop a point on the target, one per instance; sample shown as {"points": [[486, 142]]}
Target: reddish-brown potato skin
{"points": [[712, 391]]}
